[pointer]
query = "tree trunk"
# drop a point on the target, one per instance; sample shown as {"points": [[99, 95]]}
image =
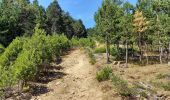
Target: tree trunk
{"points": [[126, 53], [160, 57], [140, 48], [20, 86], [169, 52], [146, 54], [107, 50]]}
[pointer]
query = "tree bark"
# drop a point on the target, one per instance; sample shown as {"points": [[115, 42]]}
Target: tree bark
{"points": [[107, 50], [146, 54], [160, 57], [169, 52], [20, 86], [126, 53], [140, 48]]}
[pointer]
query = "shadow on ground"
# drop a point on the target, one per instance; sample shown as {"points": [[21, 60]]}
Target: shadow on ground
{"points": [[47, 77]]}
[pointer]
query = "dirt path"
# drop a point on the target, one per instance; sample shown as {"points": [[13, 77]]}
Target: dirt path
{"points": [[79, 82]]}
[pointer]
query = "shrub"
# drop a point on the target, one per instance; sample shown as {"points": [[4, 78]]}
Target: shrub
{"points": [[117, 53], [166, 86], [74, 41], [31, 56], [100, 50], [162, 76], [86, 42], [104, 74], [11, 52], [121, 86], [92, 59]]}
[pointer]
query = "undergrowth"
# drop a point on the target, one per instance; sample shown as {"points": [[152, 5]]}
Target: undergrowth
{"points": [[104, 74]]}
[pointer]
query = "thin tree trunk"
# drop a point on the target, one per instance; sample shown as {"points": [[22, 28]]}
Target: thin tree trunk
{"points": [[20, 86], [169, 52], [160, 47], [160, 57], [126, 53], [140, 47], [146, 54], [107, 50]]}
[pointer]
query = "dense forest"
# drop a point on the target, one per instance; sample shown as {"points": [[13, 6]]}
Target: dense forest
{"points": [[19, 17], [33, 38]]}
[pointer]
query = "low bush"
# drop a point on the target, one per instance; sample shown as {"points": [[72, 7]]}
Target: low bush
{"points": [[166, 86], [90, 53], [86, 42], [100, 50], [120, 85], [118, 54], [11, 52], [104, 74], [162, 76], [74, 42], [30, 57]]}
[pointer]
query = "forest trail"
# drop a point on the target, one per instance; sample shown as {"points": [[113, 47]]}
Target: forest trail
{"points": [[79, 83]]}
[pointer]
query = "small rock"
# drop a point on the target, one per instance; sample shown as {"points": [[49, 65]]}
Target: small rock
{"points": [[73, 92], [168, 63], [58, 83]]}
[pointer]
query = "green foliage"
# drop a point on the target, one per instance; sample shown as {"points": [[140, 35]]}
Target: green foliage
{"points": [[166, 86], [121, 86], [83, 42], [74, 41], [11, 52], [162, 76], [30, 56], [117, 53], [100, 50], [39, 49], [54, 18], [79, 29], [104, 74], [19, 17], [90, 55], [86, 42]]}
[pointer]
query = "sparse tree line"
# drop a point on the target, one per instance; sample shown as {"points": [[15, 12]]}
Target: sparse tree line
{"points": [[144, 29], [19, 17]]}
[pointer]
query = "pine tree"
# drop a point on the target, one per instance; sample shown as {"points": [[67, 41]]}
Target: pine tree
{"points": [[40, 14], [79, 29], [140, 26], [54, 18], [126, 24], [107, 20], [68, 25], [8, 21]]}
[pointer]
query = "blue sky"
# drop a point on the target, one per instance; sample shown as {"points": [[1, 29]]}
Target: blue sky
{"points": [[80, 9]]}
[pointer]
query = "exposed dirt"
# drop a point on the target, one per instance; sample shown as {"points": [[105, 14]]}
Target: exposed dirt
{"points": [[79, 82]]}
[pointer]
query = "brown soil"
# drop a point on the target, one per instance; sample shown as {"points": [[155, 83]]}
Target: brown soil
{"points": [[79, 82]]}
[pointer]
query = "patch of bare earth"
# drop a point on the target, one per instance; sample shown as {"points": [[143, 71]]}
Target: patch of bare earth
{"points": [[79, 83]]}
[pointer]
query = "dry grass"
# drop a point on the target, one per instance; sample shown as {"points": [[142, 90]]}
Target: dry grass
{"points": [[154, 75]]}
